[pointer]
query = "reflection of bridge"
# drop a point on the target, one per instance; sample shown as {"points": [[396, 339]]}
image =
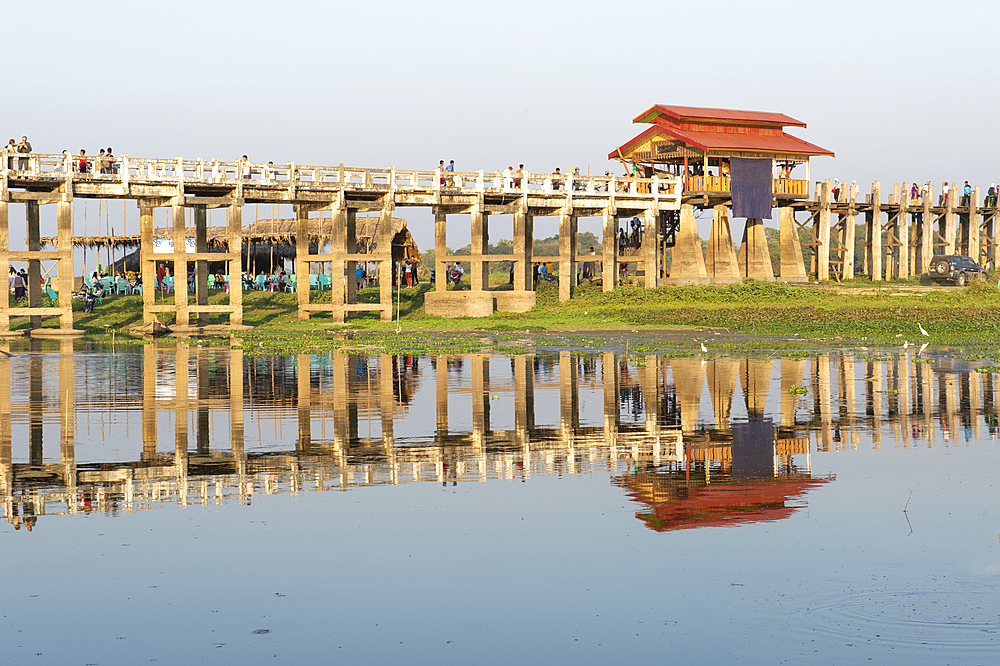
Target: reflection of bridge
{"points": [[331, 397]]}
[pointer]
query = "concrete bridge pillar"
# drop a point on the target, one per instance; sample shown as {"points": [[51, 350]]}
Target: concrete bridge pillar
{"points": [[793, 269], [973, 223], [235, 213], [179, 227], [34, 265], [64, 278], [721, 264], [302, 263], [650, 249], [384, 258], [441, 250], [849, 233], [523, 235], [754, 257], [567, 254], [688, 263], [147, 261], [201, 265]]}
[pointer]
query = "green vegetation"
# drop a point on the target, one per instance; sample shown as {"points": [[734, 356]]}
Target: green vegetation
{"points": [[756, 315]]}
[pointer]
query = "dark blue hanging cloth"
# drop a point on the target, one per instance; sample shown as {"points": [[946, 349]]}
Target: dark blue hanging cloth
{"points": [[752, 186]]}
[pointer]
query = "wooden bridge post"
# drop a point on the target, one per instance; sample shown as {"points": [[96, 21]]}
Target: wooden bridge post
{"points": [[34, 265], [873, 234], [523, 235], [850, 233], [823, 233], [950, 220], [235, 214], [721, 264], [973, 237], [479, 277], [754, 257], [147, 262], [609, 250], [687, 265], [384, 257], [302, 258], [567, 253], [180, 268], [793, 268], [64, 277], [201, 265], [4, 263], [902, 252], [927, 239], [441, 248]]}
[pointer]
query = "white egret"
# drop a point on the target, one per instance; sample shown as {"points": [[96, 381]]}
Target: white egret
{"points": [[703, 347], [922, 331]]}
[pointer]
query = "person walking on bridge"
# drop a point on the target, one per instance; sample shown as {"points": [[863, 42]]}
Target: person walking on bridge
{"points": [[966, 194]]}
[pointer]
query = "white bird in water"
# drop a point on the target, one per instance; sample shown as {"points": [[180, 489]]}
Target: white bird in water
{"points": [[703, 347], [922, 331], [905, 344]]}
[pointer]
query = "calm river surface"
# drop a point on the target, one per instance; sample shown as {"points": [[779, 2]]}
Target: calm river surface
{"points": [[175, 503]]}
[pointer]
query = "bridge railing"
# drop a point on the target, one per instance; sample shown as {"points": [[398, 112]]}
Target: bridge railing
{"points": [[126, 169]]}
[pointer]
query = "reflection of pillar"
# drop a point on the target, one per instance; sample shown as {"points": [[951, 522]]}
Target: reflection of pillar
{"points": [[67, 418], [35, 399], [975, 399], [181, 401], [948, 396], [756, 379], [874, 400], [905, 376], [569, 396], [791, 375], [236, 395], [341, 427], [689, 390], [612, 412], [6, 455], [650, 378], [304, 391], [441, 389], [925, 399], [480, 397], [204, 379], [524, 407], [849, 396], [821, 385], [387, 410], [723, 373], [148, 402]]}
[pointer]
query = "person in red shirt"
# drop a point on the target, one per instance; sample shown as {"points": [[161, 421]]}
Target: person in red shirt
{"points": [[161, 272]]}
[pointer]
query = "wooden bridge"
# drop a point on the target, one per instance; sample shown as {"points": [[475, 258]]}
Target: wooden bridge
{"points": [[901, 233]]}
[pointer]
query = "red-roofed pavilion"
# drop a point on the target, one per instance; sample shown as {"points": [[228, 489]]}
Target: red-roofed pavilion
{"points": [[698, 143]]}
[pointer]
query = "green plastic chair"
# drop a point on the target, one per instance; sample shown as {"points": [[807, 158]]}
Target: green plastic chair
{"points": [[50, 291]]}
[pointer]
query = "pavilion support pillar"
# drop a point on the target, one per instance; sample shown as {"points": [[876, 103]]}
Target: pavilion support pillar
{"points": [[147, 263], [64, 277], [385, 285], [5, 302], [987, 249], [609, 250], [721, 264], [201, 265], [34, 265], [950, 220], [479, 268], [650, 248], [301, 258], [183, 317], [687, 265], [754, 257], [523, 234], [235, 230], [567, 254], [823, 233], [441, 249], [974, 240], [792, 269]]}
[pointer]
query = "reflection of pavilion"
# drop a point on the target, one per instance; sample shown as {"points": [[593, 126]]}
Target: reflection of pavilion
{"points": [[654, 419]]}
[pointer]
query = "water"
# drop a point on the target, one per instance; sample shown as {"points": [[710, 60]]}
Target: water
{"points": [[174, 503]]}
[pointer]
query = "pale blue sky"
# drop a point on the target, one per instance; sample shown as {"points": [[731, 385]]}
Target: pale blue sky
{"points": [[900, 92]]}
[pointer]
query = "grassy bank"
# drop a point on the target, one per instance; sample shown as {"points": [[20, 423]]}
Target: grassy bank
{"points": [[754, 310]]}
